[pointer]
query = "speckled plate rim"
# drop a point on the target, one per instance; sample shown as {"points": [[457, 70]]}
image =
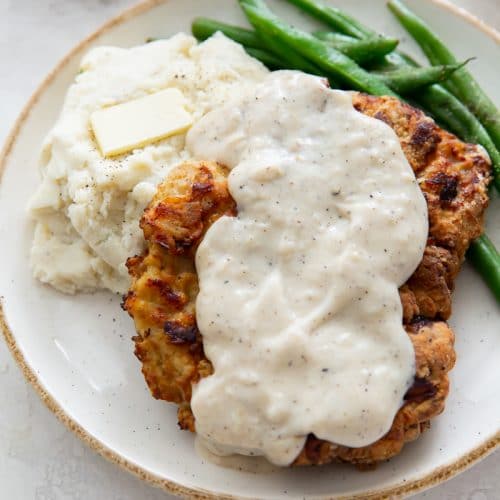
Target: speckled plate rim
{"points": [[433, 478]]}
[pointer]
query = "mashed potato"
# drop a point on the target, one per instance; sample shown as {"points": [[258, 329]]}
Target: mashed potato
{"points": [[87, 207]]}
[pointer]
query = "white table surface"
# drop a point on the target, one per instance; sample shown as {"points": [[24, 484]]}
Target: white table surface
{"points": [[39, 458]]}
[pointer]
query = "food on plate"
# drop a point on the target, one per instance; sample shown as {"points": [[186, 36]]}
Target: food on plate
{"points": [[292, 281], [196, 214], [87, 206]]}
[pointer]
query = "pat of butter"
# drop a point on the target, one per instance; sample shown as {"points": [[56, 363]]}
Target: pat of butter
{"points": [[134, 124]]}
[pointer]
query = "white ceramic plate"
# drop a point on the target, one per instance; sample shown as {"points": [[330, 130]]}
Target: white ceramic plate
{"points": [[77, 350]]}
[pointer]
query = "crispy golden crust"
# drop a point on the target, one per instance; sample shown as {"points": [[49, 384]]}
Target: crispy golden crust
{"points": [[165, 284], [453, 177]]}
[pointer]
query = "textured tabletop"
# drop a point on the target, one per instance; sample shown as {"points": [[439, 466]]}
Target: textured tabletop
{"points": [[39, 458]]}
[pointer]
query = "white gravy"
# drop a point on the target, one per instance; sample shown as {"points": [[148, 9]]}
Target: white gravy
{"points": [[244, 463], [298, 304]]}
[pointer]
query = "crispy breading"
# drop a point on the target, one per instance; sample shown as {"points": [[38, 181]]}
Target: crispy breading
{"points": [[453, 177], [165, 284]]}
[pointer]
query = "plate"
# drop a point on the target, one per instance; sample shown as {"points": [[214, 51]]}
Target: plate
{"points": [[77, 352]]}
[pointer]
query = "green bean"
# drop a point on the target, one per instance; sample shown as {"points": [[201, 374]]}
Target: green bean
{"points": [[347, 25], [270, 52], [204, 28], [329, 59], [486, 260], [462, 82], [333, 36], [338, 20], [436, 100], [266, 58], [394, 60], [407, 80], [290, 59], [448, 112], [361, 51]]}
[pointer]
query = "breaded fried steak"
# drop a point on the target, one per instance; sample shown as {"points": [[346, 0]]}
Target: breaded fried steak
{"points": [[453, 177]]}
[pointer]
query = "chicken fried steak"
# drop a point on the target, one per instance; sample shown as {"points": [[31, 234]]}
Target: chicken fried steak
{"points": [[453, 177]]}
